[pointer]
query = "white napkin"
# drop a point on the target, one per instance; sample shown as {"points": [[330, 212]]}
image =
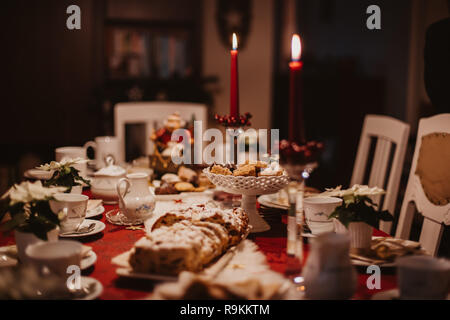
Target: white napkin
{"points": [[93, 204], [246, 275]]}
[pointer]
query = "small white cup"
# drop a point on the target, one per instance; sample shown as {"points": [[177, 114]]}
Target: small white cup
{"points": [[73, 206], [65, 153], [105, 147], [317, 210], [423, 278], [57, 256], [69, 153]]}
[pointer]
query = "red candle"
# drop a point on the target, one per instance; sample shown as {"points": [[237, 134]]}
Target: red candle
{"points": [[296, 125], [234, 86]]}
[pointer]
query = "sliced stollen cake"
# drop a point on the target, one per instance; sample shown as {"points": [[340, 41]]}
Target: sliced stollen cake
{"points": [[166, 252], [188, 239]]}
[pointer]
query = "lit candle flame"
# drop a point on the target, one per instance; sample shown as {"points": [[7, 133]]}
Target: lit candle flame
{"points": [[235, 43], [296, 48]]}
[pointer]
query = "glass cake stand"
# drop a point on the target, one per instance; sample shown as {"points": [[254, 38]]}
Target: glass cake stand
{"points": [[250, 188]]}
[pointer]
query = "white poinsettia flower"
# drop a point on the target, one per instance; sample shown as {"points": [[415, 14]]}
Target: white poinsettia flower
{"points": [[19, 193], [356, 190], [64, 163], [332, 192], [39, 192], [367, 191], [31, 191]]}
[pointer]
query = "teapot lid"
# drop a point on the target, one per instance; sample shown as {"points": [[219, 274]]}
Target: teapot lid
{"points": [[110, 169]]}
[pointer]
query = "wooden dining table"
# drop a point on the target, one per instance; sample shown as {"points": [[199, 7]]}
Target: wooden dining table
{"points": [[115, 240]]}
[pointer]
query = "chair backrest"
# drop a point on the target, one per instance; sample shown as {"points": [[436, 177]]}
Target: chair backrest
{"points": [[151, 114], [388, 131], [415, 196]]}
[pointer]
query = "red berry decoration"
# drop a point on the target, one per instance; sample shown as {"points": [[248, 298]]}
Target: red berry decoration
{"points": [[300, 153], [232, 121]]}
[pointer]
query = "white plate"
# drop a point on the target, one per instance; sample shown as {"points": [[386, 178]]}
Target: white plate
{"points": [[8, 256], [95, 212], [128, 273], [362, 263], [184, 195], [99, 227], [116, 217], [269, 201], [88, 260], [98, 288], [393, 294], [38, 174], [124, 268]]}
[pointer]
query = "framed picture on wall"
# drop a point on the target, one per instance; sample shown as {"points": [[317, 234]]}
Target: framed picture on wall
{"points": [[147, 52]]}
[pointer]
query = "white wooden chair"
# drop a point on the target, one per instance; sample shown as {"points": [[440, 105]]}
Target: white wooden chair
{"points": [[434, 215], [151, 114], [388, 131]]}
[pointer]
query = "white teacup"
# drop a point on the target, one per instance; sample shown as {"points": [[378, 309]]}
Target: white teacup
{"points": [[73, 206], [317, 210], [67, 153], [423, 278], [105, 147], [57, 256]]}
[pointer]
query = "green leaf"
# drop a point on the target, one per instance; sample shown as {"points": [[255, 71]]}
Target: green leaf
{"points": [[16, 220], [360, 209], [66, 177]]}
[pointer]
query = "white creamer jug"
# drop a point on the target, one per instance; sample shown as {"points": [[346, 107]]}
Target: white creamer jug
{"points": [[136, 202]]}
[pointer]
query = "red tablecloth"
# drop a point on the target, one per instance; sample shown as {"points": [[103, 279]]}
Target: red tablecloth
{"points": [[117, 239]]}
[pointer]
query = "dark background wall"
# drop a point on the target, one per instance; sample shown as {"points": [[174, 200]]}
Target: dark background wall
{"points": [[50, 75], [54, 90]]}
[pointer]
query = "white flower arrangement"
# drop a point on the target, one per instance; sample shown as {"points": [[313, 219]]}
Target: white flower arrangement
{"points": [[29, 209], [64, 173], [357, 205], [349, 195], [31, 191], [62, 164]]}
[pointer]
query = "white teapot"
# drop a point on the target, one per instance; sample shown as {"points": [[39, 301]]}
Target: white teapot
{"points": [[136, 202], [328, 272], [103, 185]]}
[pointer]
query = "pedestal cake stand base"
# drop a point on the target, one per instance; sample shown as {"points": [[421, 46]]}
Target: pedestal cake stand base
{"points": [[258, 224], [250, 188]]}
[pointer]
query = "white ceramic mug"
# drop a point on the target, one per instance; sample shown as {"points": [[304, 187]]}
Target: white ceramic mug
{"points": [[103, 148], [317, 211], [328, 272], [57, 256], [65, 153], [423, 278], [73, 206]]}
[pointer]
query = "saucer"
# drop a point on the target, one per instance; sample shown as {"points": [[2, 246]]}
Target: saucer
{"points": [[38, 174], [99, 227], [8, 257], [95, 212], [393, 294], [89, 260], [116, 217], [95, 286]]}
